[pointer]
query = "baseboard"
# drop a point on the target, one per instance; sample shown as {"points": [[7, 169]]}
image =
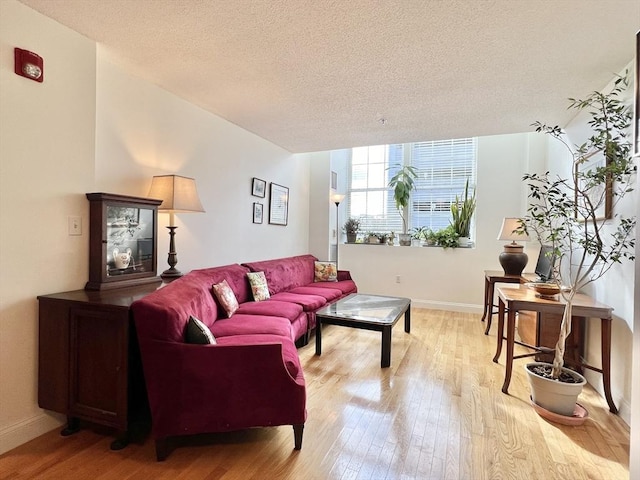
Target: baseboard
{"points": [[453, 307], [21, 432]]}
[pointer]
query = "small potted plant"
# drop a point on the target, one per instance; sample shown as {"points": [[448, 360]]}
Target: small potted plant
{"points": [[351, 227], [570, 214], [446, 237], [462, 212], [403, 182]]}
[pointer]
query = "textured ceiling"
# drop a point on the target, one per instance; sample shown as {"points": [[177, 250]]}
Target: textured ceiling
{"points": [[312, 75]]}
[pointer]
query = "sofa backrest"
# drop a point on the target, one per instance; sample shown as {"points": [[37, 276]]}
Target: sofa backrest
{"points": [[236, 277], [283, 274], [163, 314]]}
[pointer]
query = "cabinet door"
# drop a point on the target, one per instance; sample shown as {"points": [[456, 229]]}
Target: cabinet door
{"points": [[98, 365]]}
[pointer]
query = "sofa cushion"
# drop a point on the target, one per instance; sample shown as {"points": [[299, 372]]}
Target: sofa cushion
{"points": [[198, 333], [289, 351], [259, 287], [242, 324], [330, 294], [309, 303], [345, 286], [226, 297], [272, 307], [325, 272]]}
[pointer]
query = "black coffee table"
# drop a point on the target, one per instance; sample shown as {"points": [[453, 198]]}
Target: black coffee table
{"points": [[367, 312]]}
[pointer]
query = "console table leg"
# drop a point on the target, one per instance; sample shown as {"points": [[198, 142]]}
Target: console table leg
{"points": [[121, 442], [605, 339], [489, 307], [486, 299], [511, 332], [499, 335]]}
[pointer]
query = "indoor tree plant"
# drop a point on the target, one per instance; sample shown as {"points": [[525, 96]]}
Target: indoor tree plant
{"points": [[462, 212], [575, 215], [403, 182]]}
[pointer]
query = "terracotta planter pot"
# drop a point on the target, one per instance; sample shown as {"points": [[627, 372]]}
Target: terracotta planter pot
{"points": [[553, 395]]}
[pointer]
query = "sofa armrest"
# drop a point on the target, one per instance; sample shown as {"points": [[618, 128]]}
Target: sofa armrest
{"points": [[344, 275], [212, 388]]}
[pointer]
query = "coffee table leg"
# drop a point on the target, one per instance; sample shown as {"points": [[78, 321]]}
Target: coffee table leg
{"points": [[385, 360], [318, 336], [407, 319]]}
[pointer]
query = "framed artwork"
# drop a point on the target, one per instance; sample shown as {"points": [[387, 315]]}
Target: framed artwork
{"points": [[258, 187], [257, 212], [278, 204], [636, 112]]}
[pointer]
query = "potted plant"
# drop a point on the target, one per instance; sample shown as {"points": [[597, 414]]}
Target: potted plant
{"points": [[419, 233], [447, 237], [351, 227], [462, 212], [570, 214], [403, 182], [430, 238]]}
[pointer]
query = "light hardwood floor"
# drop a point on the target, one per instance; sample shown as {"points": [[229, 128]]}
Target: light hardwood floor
{"points": [[436, 413]]}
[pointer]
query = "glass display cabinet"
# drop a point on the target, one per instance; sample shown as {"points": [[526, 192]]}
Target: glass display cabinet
{"points": [[122, 241]]}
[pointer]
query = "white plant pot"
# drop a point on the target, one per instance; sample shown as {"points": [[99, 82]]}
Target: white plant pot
{"points": [[464, 241], [553, 395]]}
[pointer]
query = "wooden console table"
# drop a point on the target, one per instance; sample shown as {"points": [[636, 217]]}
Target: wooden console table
{"points": [[513, 299], [88, 366], [491, 277]]}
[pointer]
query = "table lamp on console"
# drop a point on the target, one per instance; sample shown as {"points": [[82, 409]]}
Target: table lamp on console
{"points": [[178, 195], [513, 259]]}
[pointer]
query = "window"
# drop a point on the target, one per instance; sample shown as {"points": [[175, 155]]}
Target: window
{"points": [[443, 168]]}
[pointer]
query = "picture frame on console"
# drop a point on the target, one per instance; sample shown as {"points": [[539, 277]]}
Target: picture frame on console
{"points": [[258, 187], [278, 204]]}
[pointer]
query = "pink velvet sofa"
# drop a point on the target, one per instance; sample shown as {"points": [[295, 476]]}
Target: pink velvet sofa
{"points": [[252, 376]]}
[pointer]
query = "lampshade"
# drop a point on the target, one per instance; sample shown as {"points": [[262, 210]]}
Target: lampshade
{"points": [[508, 230], [337, 197], [178, 194]]}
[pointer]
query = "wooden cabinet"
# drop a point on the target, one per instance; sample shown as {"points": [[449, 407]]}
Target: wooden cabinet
{"points": [[89, 366]]}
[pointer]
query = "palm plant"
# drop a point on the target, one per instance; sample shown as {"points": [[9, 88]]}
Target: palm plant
{"points": [[403, 182]]}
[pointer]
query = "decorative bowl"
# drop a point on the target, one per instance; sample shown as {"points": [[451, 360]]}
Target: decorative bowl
{"points": [[545, 289]]}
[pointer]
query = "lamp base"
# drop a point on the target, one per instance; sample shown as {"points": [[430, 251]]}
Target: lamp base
{"points": [[170, 274], [513, 259]]}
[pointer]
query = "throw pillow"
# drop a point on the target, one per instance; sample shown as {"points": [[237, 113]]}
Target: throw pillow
{"points": [[198, 333], [325, 272], [259, 287], [226, 297]]}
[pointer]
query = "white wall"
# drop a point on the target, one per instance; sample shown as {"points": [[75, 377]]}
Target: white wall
{"points": [[46, 151], [93, 127]]}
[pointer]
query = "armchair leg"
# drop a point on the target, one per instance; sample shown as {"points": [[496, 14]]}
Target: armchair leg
{"points": [[297, 435]]}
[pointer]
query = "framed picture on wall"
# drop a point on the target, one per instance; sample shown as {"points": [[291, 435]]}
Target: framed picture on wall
{"points": [[257, 212], [636, 111], [258, 187], [278, 204]]}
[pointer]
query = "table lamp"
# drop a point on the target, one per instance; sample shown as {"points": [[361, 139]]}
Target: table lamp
{"points": [[178, 195], [513, 259]]}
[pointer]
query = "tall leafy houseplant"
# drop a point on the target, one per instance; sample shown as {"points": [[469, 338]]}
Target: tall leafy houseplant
{"points": [[462, 212], [403, 182], [570, 213]]}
